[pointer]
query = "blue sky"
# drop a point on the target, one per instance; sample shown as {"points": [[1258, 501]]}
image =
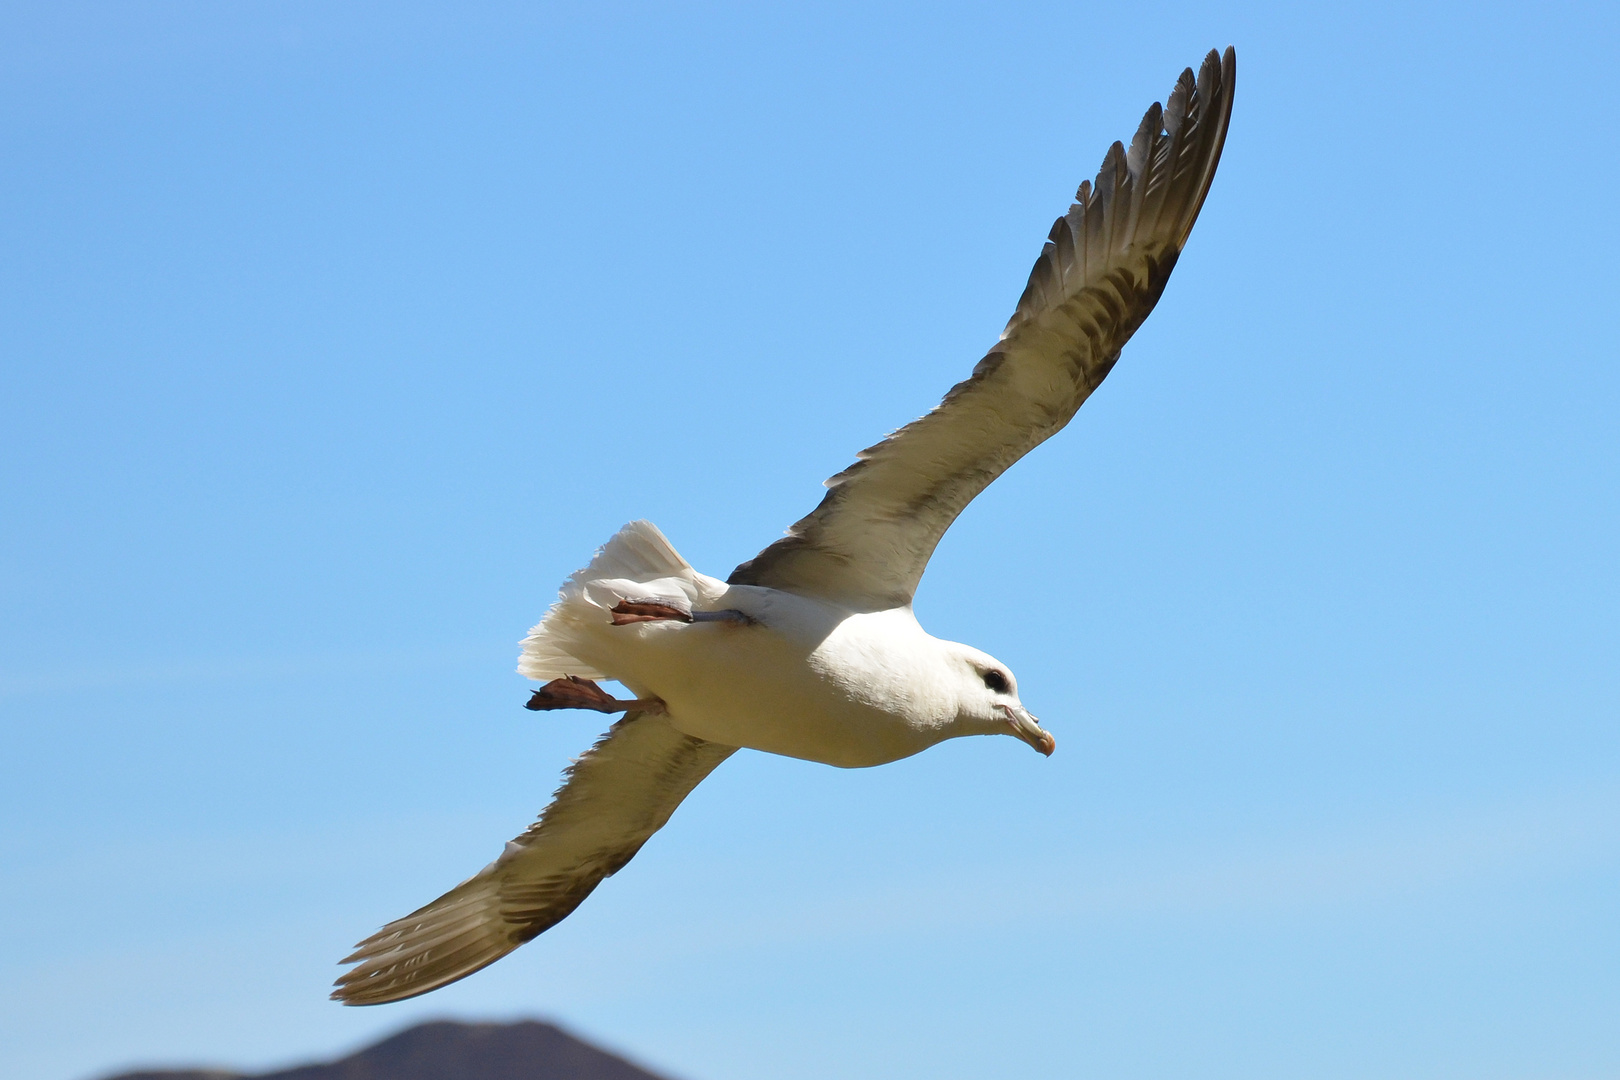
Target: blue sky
{"points": [[335, 335]]}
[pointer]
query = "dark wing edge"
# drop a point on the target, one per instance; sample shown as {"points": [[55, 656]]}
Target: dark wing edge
{"points": [[613, 798], [1102, 270]]}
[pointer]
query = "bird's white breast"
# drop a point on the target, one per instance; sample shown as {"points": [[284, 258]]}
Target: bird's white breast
{"points": [[807, 679]]}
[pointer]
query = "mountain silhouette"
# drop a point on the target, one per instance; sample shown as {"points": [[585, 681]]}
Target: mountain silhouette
{"points": [[446, 1050]]}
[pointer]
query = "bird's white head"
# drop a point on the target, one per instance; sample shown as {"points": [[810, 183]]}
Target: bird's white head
{"points": [[987, 700]]}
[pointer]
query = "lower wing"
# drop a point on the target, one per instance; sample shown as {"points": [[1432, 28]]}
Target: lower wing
{"points": [[611, 801]]}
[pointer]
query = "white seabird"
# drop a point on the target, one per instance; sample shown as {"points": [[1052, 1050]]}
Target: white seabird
{"points": [[810, 649]]}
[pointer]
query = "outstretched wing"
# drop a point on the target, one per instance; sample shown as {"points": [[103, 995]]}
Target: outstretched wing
{"points": [[1102, 270], [612, 799]]}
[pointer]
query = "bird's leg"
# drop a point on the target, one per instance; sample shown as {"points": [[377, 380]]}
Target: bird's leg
{"points": [[573, 692], [727, 615]]}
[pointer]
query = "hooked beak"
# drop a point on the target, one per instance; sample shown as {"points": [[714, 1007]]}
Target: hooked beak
{"points": [[1029, 729]]}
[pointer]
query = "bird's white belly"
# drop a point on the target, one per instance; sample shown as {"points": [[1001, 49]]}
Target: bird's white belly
{"points": [[804, 682]]}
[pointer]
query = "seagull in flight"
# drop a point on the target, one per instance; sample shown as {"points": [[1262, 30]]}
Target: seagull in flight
{"points": [[810, 649]]}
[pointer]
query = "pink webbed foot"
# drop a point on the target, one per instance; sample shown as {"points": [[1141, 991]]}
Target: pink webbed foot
{"points": [[626, 612], [573, 692], [634, 611]]}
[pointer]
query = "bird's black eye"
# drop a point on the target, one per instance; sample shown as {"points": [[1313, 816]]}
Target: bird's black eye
{"points": [[995, 680]]}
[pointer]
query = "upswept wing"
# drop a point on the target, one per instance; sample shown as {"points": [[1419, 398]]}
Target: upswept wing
{"points": [[612, 799], [1103, 268]]}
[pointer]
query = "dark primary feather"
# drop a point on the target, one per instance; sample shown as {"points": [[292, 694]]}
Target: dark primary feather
{"points": [[612, 799], [1100, 273]]}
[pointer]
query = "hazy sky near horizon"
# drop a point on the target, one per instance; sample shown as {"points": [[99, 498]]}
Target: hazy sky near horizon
{"points": [[334, 336]]}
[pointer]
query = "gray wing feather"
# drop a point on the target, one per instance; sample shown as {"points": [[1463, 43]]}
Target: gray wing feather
{"points": [[612, 800], [1100, 273]]}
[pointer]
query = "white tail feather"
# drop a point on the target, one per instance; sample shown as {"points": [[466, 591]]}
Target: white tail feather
{"points": [[637, 553]]}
